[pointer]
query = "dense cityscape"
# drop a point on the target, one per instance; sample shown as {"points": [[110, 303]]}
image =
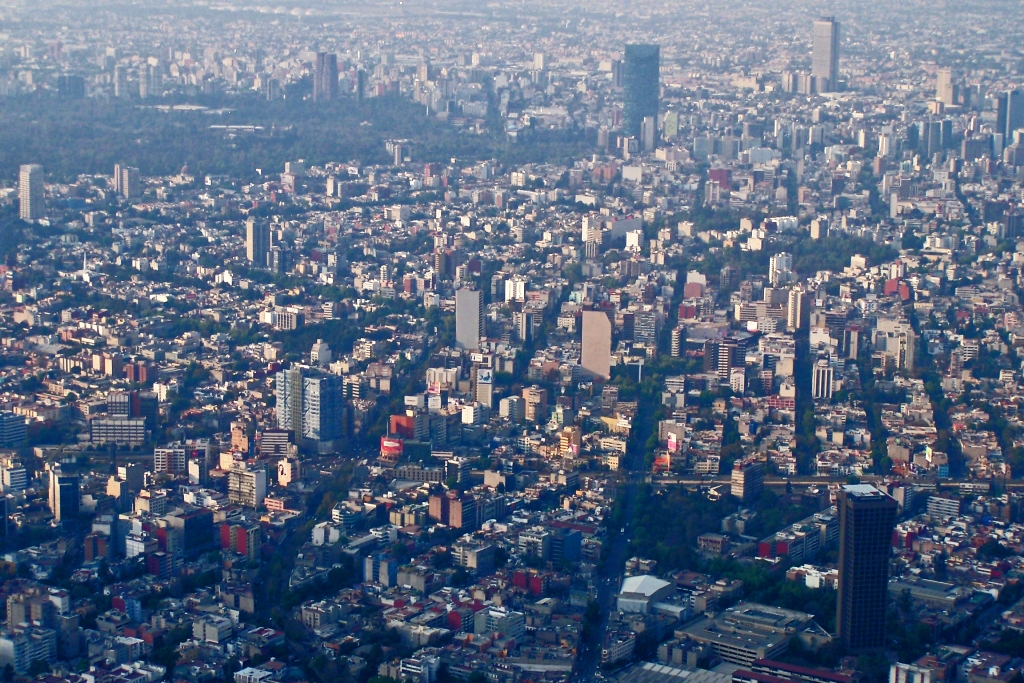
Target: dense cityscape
{"points": [[419, 342]]}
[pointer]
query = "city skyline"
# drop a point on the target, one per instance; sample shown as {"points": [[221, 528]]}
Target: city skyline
{"points": [[423, 342]]}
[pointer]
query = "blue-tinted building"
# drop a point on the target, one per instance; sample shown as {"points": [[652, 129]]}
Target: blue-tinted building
{"points": [[641, 85]]}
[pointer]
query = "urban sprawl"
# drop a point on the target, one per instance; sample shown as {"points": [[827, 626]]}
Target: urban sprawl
{"points": [[646, 342]]}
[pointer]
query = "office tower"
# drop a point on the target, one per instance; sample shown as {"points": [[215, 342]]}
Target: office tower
{"points": [[528, 324], [275, 442], [645, 328], [469, 318], [597, 344], [885, 145], [819, 226], [13, 429], [127, 181], [272, 89], [380, 568], [1009, 113], [512, 408], [120, 81], [728, 278], [150, 81], [247, 486], [133, 405], [866, 521], [323, 403], [797, 310], [13, 475], [929, 137], [822, 381], [728, 357], [30, 192], [325, 77], [257, 242], [71, 87], [320, 354], [747, 480], [243, 435], [946, 133], [278, 260], [944, 89], [360, 85], [780, 268], [641, 86], [825, 54], [64, 496], [144, 87], [288, 392], [648, 133], [536, 404]]}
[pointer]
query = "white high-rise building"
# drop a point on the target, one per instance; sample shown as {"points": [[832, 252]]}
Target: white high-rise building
{"points": [[30, 192], [288, 391], [257, 242], [944, 89], [320, 354], [469, 318], [780, 268], [247, 487], [797, 310], [822, 382]]}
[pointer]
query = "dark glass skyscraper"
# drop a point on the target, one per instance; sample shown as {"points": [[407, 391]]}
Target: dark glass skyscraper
{"points": [[641, 86], [325, 77], [866, 521], [1009, 113]]}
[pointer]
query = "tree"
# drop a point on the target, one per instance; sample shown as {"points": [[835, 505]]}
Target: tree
{"points": [[38, 667]]}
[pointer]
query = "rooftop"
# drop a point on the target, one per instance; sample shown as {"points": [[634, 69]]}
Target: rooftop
{"points": [[644, 584]]}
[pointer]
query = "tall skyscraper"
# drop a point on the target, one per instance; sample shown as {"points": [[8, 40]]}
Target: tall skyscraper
{"points": [[323, 402], [1010, 113], [469, 318], [797, 310], [30, 192], [120, 81], [944, 89], [747, 482], [641, 83], [257, 242], [485, 387], [866, 521], [325, 76], [64, 496], [825, 54], [596, 355], [288, 392], [127, 181]]}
